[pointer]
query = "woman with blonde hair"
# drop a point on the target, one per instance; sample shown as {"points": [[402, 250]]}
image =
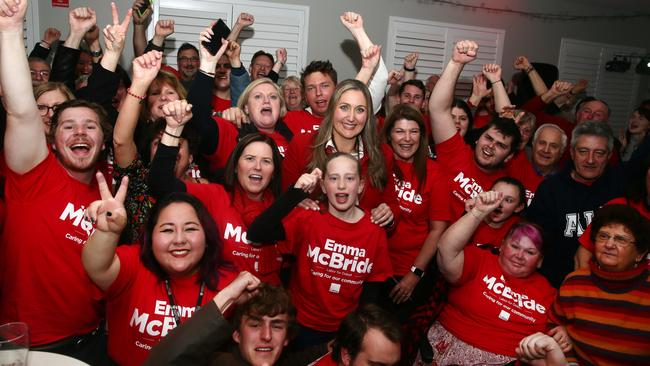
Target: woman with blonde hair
{"points": [[349, 127]]}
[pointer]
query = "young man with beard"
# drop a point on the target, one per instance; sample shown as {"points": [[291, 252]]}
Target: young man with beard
{"points": [[48, 185], [565, 203], [471, 172]]}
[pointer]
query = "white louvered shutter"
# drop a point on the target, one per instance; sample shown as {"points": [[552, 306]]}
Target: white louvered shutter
{"points": [[586, 60], [276, 26], [30, 27], [434, 41]]}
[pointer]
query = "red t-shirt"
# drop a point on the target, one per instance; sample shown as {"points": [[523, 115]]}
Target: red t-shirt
{"points": [[467, 180], [299, 155], [219, 104], [43, 281], [138, 308], [333, 260], [232, 219], [520, 168], [419, 205], [302, 122], [326, 360], [228, 137], [485, 234], [585, 238], [493, 311]]}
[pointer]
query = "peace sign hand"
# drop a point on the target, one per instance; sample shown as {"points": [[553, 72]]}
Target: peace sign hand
{"points": [[109, 214], [115, 34]]}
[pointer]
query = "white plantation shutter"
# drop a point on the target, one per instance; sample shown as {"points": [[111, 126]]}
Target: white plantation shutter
{"points": [[276, 26], [30, 27], [434, 41], [586, 60]]}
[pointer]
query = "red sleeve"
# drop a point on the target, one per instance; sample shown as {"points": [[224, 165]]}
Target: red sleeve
{"points": [[293, 223], [438, 187], [129, 256], [471, 262], [296, 160], [35, 183], [382, 267], [213, 196], [225, 145], [480, 120], [453, 152]]}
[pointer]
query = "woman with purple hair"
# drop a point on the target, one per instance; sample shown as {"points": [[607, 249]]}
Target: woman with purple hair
{"points": [[496, 298]]}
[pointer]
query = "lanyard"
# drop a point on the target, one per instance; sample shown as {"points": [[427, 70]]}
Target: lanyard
{"points": [[172, 303]]}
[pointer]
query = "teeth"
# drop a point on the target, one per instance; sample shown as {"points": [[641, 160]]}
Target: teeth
{"points": [[264, 349], [255, 176], [180, 251]]}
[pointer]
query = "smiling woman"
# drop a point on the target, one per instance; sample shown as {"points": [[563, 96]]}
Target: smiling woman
{"points": [[507, 297], [151, 289], [618, 281]]}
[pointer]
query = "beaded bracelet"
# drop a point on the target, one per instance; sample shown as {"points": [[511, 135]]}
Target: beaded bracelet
{"points": [[128, 91]]}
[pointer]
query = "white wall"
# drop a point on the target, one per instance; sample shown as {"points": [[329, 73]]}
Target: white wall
{"points": [[539, 40]]}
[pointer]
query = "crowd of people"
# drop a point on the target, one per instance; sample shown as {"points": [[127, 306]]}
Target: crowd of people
{"points": [[210, 215]]}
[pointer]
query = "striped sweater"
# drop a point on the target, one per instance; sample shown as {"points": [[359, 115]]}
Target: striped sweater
{"points": [[607, 315]]}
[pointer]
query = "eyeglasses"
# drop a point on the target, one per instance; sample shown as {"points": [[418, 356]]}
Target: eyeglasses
{"points": [[44, 109], [188, 59], [619, 240], [42, 73]]}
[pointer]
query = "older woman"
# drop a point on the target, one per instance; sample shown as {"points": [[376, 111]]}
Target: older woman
{"points": [[492, 297], [605, 308], [292, 91], [261, 105]]}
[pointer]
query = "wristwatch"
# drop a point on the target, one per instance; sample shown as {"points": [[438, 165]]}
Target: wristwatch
{"points": [[416, 271]]}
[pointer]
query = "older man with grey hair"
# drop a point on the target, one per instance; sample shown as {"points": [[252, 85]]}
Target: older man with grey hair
{"points": [[565, 203]]}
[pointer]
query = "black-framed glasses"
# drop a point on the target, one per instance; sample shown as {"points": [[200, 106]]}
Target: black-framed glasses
{"points": [[44, 109], [41, 73]]}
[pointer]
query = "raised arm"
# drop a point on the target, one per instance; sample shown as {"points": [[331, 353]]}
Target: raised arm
{"points": [[369, 61], [91, 38], [267, 226], [115, 36], [200, 95], [479, 90], [25, 145], [453, 240], [161, 174], [379, 77], [558, 89], [521, 63], [280, 61], [145, 69], [493, 73], [164, 28], [243, 20], [42, 49], [140, 22], [81, 20], [442, 125], [109, 215]]}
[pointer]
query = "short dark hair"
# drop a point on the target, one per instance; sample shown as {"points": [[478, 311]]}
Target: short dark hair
{"points": [[262, 53], [514, 182], [212, 255], [355, 326], [230, 175], [508, 128], [416, 83], [269, 301], [324, 67], [186, 46], [627, 216], [459, 103]]}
